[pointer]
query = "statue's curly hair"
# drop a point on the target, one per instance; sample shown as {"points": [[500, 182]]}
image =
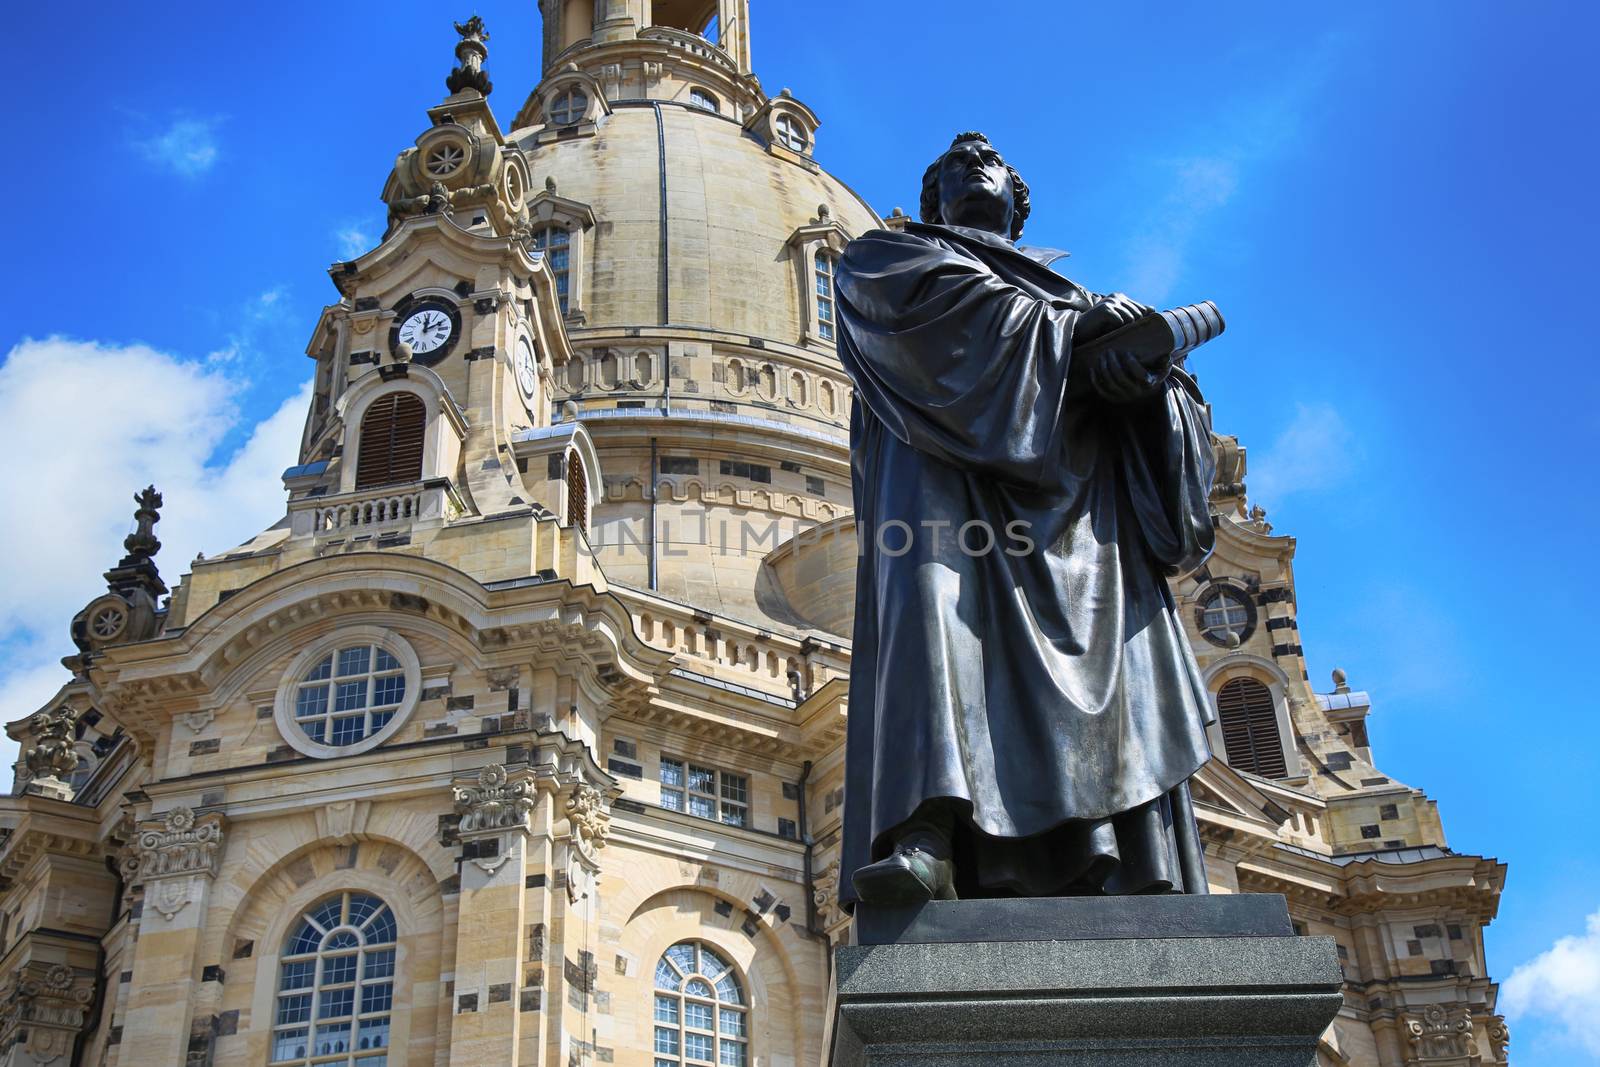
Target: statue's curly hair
{"points": [[930, 188]]}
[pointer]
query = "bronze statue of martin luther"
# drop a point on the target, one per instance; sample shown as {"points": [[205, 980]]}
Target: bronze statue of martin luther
{"points": [[1030, 466]]}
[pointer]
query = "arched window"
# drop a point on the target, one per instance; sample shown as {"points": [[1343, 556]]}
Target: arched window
{"points": [[702, 99], [825, 295], [700, 1010], [390, 450], [1249, 724], [336, 985], [577, 492], [556, 243]]}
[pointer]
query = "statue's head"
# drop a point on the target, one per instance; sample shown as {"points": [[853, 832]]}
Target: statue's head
{"points": [[971, 185]]}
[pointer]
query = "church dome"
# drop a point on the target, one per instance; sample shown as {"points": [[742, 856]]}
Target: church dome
{"points": [[694, 239]]}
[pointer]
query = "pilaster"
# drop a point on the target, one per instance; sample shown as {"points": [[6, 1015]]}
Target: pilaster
{"points": [[175, 862]]}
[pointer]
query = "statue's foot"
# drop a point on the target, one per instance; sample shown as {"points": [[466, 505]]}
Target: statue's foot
{"points": [[918, 871]]}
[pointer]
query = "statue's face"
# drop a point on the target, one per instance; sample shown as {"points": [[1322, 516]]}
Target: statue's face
{"points": [[975, 188]]}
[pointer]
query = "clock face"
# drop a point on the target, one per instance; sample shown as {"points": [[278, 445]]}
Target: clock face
{"points": [[426, 330], [527, 373]]}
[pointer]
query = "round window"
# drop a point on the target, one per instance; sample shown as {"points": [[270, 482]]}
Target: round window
{"points": [[568, 107], [348, 694], [791, 134], [1225, 616]]}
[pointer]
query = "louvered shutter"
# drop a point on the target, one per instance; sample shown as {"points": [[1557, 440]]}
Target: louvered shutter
{"points": [[1249, 725], [577, 493], [391, 441]]}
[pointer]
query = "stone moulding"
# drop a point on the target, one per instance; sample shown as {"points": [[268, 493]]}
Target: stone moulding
{"points": [[44, 1008]]}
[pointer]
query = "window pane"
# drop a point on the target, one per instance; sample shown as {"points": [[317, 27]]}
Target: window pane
{"points": [[702, 779], [376, 998], [354, 661], [732, 1023], [666, 1041], [289, 1045], [735, 787], [704, 807], [385, 662], [666, 1010], [697, 987], [322, 671], [306, 939], [732, 1054], [390, 690], [333, 1038], [734, 815], [311, 700], [712, 965], [317, 730], [339, 969], [299, 975], [294, 1009], [362, 907], [348, 731], [697, 1047], [335, 1003], [666, 977], [697, 1016], [671, 798], [728, 990], [381, 931], [671, 772], [350, 696], [373, 1033], [826, 330], [682, 955], [379, 965]]}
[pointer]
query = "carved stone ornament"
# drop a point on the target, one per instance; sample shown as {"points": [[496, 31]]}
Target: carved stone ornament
{"points": [[1499, 1037], [495, 803], [470, 54], [164, 859], [50, 1004], [825, 896], [1440, 1033], [50, 757], [589, 823]]}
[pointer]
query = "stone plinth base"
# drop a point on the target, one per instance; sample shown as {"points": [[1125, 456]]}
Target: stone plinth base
{"points": [[1219, 983]]}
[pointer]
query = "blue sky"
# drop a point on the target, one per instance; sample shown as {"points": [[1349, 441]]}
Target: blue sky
{"points": [[1392, 203]]}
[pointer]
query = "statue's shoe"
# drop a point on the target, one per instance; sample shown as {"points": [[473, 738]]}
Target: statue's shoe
{"points": [[906, 876]]}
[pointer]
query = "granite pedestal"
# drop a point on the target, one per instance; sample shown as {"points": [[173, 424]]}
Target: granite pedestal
{"points": [[1172, 981]]}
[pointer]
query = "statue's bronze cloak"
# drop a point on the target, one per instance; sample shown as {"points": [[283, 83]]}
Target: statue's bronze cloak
{"points": [[1048, 697]]}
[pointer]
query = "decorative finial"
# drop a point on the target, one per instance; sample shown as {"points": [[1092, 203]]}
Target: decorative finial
{"points": [[824, 212], [550, 184], [142, 543], [470, 54], [403, 353], [1341, 683], [898, 212]]}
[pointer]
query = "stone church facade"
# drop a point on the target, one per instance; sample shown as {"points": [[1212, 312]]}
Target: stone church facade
{"points": [[519, 739]]}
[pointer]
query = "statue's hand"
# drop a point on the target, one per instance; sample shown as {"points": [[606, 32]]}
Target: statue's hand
{"points": [[1113, 311], [1121, 378]]}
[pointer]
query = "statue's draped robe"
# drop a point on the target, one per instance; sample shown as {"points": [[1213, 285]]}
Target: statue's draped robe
{"points": [[1047, 698]]}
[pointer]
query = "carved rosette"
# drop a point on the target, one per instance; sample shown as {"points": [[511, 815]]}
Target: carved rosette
{"points": [[44, 1006], [1441, 1033], [166, 859]]}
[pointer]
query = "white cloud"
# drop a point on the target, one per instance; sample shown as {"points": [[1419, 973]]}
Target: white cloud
{"points": [[97, 423], [1562, 984], [1316, 451], [353, 241], [187, 147]]}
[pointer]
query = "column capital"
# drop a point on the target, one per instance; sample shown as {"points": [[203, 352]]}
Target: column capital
{"points": [[44, 1006]]}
